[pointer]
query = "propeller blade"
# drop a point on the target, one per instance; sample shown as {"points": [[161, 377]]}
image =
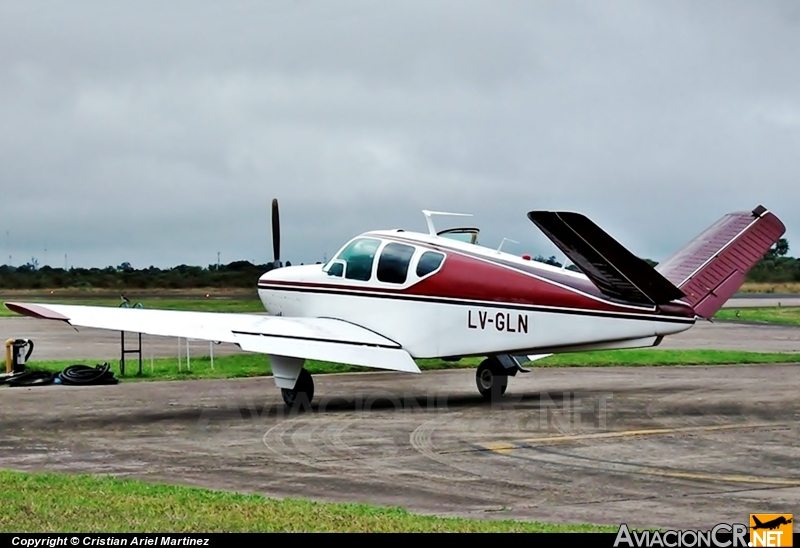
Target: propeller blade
{"points": [[276, 233]]}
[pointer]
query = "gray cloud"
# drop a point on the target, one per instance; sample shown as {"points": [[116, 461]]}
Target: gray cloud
{"points": [[158, 133]]}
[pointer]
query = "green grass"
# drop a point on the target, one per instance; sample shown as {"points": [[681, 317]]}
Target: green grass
{"points": [[767, 287], [50, 503], [786, 315], [656, 357], [254, 365], [212, 304]]}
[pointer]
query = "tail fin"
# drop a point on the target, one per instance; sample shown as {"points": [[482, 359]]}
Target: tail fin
{"points": [[758, 522], [712, 267]]}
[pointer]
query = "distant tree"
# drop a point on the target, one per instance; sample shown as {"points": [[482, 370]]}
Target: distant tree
{"points": [[551, 260], [776, 266], [30, 266], [239, 266], [780, 249]]}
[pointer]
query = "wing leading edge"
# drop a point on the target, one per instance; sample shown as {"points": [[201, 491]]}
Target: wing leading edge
{"points": [[324, 339]]}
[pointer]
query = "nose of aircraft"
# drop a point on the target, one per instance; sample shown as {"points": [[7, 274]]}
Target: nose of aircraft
{"points": [[279, 298], [272, 300], [297, 273], [274, 274]]}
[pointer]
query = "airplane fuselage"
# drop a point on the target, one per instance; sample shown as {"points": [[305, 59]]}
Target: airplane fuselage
{"points": [[445, 298]]}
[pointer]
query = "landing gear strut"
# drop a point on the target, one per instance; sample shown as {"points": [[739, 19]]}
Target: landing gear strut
{"points": [[491, 378], [303, 390]]}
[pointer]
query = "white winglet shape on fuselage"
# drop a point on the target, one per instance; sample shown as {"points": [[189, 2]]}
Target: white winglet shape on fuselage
{"points": [[323, 339], [535, 357]]}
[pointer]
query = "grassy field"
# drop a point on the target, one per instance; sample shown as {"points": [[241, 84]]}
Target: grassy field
{"points": [[105, 293], [749, 287], [255, 365], [213, 303], [80, 504], [787, 315], [777, 288]]}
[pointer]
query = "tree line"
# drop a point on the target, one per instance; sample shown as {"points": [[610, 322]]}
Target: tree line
{"points": [[238, 274], [775, 267]]}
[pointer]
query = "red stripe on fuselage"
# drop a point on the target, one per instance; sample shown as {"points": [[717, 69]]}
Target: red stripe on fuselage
{"points": [[468, 278]]}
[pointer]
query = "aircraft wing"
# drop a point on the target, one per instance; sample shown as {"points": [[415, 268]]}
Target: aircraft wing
{"points": [[323, 339]]}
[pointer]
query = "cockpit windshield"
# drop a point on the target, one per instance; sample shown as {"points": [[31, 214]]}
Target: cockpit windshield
{"points": [[397, 263], [355, 261]]}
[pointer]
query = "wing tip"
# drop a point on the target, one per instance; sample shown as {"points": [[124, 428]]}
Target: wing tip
{"points": [[35, 311]]}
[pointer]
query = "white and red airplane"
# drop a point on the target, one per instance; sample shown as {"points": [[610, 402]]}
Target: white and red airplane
{"points": [[389, 297]]}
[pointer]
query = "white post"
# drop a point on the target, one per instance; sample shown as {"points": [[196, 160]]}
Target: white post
{"points": [[179, 353], [211, 350], [188, 363]]}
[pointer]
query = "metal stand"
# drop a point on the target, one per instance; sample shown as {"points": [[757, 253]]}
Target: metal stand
{"points": [[124, 351]]}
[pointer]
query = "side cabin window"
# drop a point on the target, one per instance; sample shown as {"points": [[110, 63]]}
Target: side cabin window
{"points": [[393, 264], [356, 260], [428, 262]]}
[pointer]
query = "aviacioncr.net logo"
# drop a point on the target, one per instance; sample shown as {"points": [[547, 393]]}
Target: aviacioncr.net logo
{"points": [[772, 530], [723, 535]]}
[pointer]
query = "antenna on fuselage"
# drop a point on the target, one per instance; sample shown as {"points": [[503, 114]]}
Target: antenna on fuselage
{"points": [[429, 220]]}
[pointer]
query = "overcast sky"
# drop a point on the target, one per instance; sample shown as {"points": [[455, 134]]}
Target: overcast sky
{"points": [[157, 133]]}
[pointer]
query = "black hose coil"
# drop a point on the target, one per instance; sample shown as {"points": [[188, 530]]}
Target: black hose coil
{"points": [[29, 378], [83, 374]]}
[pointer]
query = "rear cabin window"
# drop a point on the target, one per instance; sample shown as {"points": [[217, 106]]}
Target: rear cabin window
{"points": [[393, 264], [359, 257], [429, 262]]}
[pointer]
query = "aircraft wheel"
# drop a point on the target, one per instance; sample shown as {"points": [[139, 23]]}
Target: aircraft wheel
{"points": [[491, 378], [303, 390]]}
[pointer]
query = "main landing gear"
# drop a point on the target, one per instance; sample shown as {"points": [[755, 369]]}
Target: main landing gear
{"points": [[492, 375], [295, 382], [303, 391]]}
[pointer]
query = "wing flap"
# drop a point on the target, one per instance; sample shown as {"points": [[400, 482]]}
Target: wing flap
{"points": [[324, 339], [377, 357]]}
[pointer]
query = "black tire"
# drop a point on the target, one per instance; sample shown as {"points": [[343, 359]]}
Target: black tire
{"points": [[302, 392], [491, 378]]}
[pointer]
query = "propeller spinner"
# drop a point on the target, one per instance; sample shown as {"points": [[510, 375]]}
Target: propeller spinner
{"points": [[276, 235]]}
